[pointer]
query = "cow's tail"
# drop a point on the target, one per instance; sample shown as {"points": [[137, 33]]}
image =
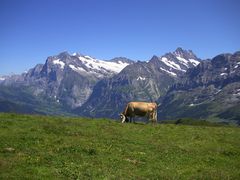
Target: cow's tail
{"points": [[158, 104]]}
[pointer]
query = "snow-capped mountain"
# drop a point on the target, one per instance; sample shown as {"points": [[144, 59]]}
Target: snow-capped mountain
{"points": [[177, 62], [66, 79], [212, 89], [78, 84], [141, 81], [87, 65]]}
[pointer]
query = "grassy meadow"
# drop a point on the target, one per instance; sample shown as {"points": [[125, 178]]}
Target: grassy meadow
{"points": [[42, 147]]}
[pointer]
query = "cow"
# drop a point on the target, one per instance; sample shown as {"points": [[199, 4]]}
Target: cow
{"points": [[141, 109]]}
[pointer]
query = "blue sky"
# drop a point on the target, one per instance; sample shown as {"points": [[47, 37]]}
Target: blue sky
{"points": [[31, 30]]}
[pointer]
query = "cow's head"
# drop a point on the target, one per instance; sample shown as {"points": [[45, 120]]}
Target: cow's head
{"points": [[123, 118]]}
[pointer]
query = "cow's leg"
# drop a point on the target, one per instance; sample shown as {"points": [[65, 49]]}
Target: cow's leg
{"points": [[152, 117], [131, 119], [149, 117], [146, 119], [126, 120], [155, 116]]}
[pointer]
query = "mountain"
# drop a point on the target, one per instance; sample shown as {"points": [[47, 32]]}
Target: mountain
{"points": [[74, 84], [210, 90], [141, 81], [65, 81]]}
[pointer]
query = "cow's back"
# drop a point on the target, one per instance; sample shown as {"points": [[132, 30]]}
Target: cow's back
{"points": [[139, 108]]}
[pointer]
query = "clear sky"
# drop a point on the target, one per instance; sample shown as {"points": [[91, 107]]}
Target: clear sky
{"points": [[32, 30]]}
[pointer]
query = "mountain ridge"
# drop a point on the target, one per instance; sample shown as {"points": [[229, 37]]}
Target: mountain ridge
{"points": [[76, 84], [210, 90], [66, 79], [141, 81]]}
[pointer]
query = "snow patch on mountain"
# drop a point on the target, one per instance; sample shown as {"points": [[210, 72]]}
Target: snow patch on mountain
{"points": [[169, 72], [171, 64], [101, 65], [76, 68], [223, 74], [141, 78], [194, 62], [2, 78], [57, 61], [183, 61]]}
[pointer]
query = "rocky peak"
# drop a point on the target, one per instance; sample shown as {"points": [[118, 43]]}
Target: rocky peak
{"points": [[122, 60], [176, 63], [179, 50], [84, 65], [221, 60], [63, 55], [211, 89], [154, 58], [186, 54], [219, 71], [77, 54]]}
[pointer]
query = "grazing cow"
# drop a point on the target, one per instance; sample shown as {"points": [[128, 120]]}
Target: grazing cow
{"points": [[142, 109]]}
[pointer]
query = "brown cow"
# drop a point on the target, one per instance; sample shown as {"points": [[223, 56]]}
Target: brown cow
{"points": [[142, 109]]}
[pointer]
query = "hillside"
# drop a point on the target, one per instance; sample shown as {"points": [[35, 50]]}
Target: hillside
{"points": [[33, 147]]}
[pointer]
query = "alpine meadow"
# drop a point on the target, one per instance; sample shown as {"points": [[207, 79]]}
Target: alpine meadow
{"points": [[34, 147]]}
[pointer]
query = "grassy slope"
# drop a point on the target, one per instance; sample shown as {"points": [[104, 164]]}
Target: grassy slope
{"points": [[54, 147]]}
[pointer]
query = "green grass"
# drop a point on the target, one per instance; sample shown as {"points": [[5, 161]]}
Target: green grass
{"points": [[41, 147], [197, 122]]}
